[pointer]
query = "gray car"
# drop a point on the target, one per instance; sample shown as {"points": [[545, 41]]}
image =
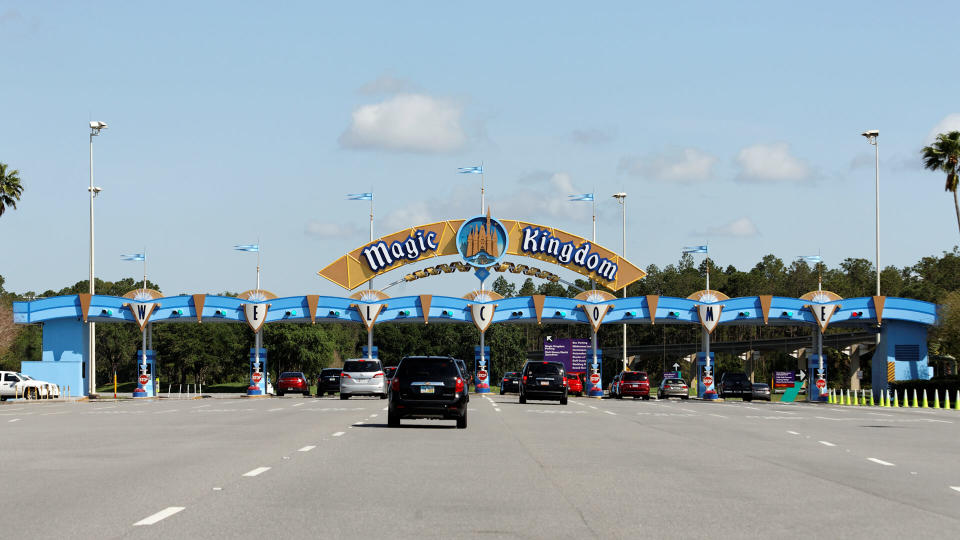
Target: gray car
{"points": [[673, 388], [362, 377], [761, 391]]}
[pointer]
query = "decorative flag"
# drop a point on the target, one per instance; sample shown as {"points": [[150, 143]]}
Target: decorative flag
{"points": [[812, 258], [360, 196], [134, 257], [584, 197], [470, 170], [255, 248], [695, 249]]}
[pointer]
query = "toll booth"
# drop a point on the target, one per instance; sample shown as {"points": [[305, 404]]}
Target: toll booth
{"points": [[261, 385], [702, 388], [150, 370], [814, 393]]}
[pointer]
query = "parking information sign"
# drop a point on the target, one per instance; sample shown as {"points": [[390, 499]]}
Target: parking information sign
{"points": [[671, 374], [572, 352], [784, 379]]}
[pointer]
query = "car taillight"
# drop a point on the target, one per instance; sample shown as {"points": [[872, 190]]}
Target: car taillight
{"points": [[395, 385], [684, 387], [459, 386], [345, 375], [378, 374], [564, 382], [524, 378]]}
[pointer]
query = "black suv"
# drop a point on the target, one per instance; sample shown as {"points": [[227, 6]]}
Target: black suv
{"points": [[328, 381], [543, 380], [735, 385], [428, 387]]}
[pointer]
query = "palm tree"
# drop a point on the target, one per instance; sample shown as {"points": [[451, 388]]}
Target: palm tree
{"points": [[944, 155], [10, 188]]}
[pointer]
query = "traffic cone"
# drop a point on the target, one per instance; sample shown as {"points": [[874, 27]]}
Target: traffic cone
{"points": [[871, 397], [936, 399], [896, 399], [925, 406], [946, 399], [884, 402], [956, 402], [829, 396], [916, 404], [848, 398]]}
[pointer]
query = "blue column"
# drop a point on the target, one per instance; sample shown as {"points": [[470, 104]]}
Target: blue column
{"points": [[595, 390], [702, 389], [64, 357], [150, 370], [376, 352], [260, 388], [481, 385], [813, 365]]}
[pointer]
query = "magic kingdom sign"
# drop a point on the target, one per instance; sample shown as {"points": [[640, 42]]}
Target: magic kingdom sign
{"points": [[481, 242]]}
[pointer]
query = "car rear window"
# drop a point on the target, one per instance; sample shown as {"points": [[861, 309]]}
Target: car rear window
{"points": [[415, 368], [290, 374], [543, 368], [354, 366], [329, 372], [634, 376], [674, 381]]}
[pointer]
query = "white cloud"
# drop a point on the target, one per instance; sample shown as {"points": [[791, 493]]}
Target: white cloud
{"points": [[674, 165], [950, 122], [319, 229], [771, 163], [406, 123], [741, 228], [387, 84]]}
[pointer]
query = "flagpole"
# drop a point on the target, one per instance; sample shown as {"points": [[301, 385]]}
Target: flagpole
{"points": [[370, 283], [258, 264], [144, 268], [482, 191]]}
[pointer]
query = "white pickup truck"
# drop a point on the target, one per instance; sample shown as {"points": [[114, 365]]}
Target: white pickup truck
{"points": [[17, 385]]}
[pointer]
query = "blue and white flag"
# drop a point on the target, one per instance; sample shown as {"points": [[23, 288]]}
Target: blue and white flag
{"points": [[695, 249], [584, 197], [470, 170], [134, 257], [812, 258], [359, 196], [255, 248]]}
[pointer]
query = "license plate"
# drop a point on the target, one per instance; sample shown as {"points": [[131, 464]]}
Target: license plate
{"points": [[362, 380], [289, 388], [426, 389], [544, 383]]}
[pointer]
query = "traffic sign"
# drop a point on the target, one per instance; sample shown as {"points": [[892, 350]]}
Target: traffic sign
{"points": [[821, 384], [144, 379], [595, 378], [257, 376], [708, 381], [482, 375], [802, 375]]}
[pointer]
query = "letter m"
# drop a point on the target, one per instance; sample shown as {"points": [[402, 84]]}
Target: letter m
{"points": [[378, 256], [709, 314], [607, 270]]}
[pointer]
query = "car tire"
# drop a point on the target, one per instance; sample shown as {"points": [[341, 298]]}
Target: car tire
{"points": [[306, 394], [619, 396], [279, 394], [501, 390], [646, 398], [462, 421], [523, 399], [383, 395], [344, 396], [563, 400], [684, 397], [393, 419]]}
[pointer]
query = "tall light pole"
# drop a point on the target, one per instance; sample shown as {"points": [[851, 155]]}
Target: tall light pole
{"points": [[871, 136], [622, 199], [95, 128]]}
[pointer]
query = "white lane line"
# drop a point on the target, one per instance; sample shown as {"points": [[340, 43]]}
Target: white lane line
{"points": [[163, 514], [880, 462], [14, 420], [337, 434], [358, 423], [383, 409], [592, 407], [826, 443], [306, 448], [298, 404], [608, 412], [955, 488], [257, 471], [792, 432], [373, 416], [496, 409], [277, 409], [718, 415], [879, 414]]}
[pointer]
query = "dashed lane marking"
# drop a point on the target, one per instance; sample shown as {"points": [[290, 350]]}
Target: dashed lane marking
{"points": [[306, 448], [880, 462], [360, 423], [13, 420], [298, 404], [373, 416], [275, 409], [496, 409], [717, 415], [337, 434], [163, 514], [383, 409], [792, 432], [592, 407], [257, 471], [955, 488], [826, 443], [608, 412]]}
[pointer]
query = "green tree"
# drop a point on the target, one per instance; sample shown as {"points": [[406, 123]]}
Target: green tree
{"points": [[944, 155], [10, 188]]}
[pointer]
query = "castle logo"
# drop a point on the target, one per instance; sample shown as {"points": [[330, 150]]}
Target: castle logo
{"points": [[482, 241]]}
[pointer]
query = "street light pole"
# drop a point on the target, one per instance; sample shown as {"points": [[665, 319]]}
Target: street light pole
{"points": [[622, 199], [871, 136], [95, 128]]}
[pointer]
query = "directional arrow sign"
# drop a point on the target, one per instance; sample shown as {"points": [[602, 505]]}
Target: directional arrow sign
{"points": [[820, 373], [802, 375], [676, 366]]}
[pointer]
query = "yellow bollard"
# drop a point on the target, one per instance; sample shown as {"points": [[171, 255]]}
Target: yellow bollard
{"points": [[936, 399]]}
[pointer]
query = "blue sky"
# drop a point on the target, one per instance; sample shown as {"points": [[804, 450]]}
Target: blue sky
{"points": [[734, 126]]}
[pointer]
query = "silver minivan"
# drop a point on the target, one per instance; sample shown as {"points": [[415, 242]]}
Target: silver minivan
{"points": [[362, 377]]}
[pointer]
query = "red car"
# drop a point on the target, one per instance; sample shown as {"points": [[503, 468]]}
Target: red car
{"points": [[574, 385], [293, 381], [634, 383]]}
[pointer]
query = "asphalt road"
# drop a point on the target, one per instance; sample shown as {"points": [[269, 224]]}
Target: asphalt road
{"points": [[298, 467]]}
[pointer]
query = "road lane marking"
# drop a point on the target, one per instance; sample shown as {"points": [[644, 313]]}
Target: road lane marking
{"points": [[826, 443], [14, 420], [276, 409], [383, 409], [337, 434], [792, 432], [608, 412], [257, 471], [298, 404], [880, 462], [306, 448], [718, 415], [955, 488], [373, 416], [879, 414], [163, 514], [358, 423], [496, 409], [592, 407]]}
